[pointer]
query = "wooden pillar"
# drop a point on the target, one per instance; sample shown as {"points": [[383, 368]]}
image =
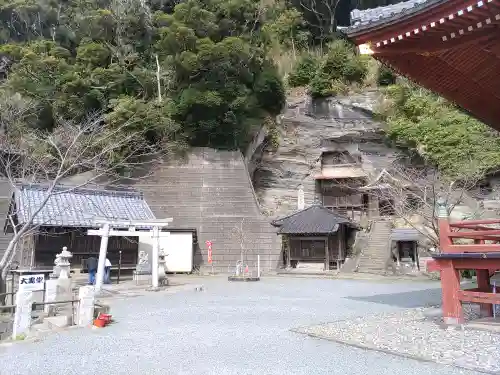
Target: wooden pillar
{"points": [[483, 283], [340, 244], [417, 260], [327, 254], [288, 252], [373, 207], [398, 253], [450, 285]]}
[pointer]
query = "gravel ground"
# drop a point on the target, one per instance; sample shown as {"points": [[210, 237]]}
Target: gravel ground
{"points": [[413, 333], [231, 328]]}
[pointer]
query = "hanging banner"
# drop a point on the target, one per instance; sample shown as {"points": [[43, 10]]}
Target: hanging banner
{"points": [[209, 246]]}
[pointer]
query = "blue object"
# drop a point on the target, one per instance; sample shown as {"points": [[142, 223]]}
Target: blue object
{"points": [[92, 277], [107, 275]]}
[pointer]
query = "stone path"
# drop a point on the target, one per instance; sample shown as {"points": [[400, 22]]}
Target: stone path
{"points": [[413, 334], [231, 328]]}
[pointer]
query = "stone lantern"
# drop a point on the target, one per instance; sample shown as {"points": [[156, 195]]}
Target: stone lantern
{"points": [[64, 265], [162, 272], [56, 270]]}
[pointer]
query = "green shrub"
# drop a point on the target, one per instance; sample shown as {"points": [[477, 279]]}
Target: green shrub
{"points": [[385, 76], [304, 71], [468, 274], [340, 67], [344, 64], [320, 86], [335, 61], [355, 70], [338, 87], [269, 90]]}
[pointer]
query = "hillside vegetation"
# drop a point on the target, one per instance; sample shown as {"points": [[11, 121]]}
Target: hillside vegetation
{"points": [[416, 119], [197, 72], [206, 73], [440, 131]]}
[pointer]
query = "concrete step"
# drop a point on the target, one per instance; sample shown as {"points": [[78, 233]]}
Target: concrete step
{"points": [[212, 192]]}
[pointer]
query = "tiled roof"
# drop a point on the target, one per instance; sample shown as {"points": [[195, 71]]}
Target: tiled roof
{"points": [[315, 219], [361, 19], [77, 207], [405, 234], [332, 172]]}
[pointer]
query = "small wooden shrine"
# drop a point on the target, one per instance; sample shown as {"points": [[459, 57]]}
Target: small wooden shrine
{"points": [[315, 235]]}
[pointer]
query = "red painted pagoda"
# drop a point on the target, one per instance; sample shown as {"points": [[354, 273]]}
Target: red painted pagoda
{"points": [[451, 47]]}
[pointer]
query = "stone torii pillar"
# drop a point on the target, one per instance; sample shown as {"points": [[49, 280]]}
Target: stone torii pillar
{"points": [[107, 230], [103, 249]]}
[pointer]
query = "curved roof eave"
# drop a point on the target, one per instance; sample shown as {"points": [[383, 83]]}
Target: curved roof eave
{"points": [[381, 22]]}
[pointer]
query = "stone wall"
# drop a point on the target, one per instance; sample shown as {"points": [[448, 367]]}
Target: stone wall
{"points": [[307, 129], [211, 191]]}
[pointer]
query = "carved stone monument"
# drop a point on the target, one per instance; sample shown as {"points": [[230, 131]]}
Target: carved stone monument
{"points": [[22, 317], [51, 288], [86, 296], [143, 269], [144, 262]]}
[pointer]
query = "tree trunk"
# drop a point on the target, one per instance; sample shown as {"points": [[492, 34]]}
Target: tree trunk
{"points": [[3, 287], [5, 261]]}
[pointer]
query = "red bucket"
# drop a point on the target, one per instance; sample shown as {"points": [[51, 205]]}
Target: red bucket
{"points": [[104, 317], [99, 323]]}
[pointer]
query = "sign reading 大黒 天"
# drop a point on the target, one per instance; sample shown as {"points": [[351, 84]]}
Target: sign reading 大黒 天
{"points": [[31, 283]]}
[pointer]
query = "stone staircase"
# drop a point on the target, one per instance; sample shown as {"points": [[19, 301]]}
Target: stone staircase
{"points": [[376, 253], [211, 191]]}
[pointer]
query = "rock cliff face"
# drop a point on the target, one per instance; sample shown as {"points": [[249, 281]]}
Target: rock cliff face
{"points": [[308, 128]]}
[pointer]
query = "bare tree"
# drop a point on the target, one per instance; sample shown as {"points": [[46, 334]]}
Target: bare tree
{"points": [[239, 234], [411, 195], [324, 12], [15, 108], [33, 157]]}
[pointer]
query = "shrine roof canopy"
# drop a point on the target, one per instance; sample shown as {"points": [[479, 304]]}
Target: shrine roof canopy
{"points": [[315, 219], [451, 47], [76, 207], [383, 15]]}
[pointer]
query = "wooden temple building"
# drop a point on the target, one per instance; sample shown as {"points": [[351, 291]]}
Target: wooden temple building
{"points": [[316, 235], [451, 47], [64, 220]]}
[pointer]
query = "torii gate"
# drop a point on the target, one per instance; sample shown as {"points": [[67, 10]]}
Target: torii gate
{"points": [[134, 229]]}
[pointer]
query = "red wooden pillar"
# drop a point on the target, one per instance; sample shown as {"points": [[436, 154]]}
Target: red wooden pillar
{"points": [[483, 283], [450, 285], [444, 231]]}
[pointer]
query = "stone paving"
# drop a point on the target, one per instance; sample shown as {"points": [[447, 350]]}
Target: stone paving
{"points": [[231, 328], [414, 334]]}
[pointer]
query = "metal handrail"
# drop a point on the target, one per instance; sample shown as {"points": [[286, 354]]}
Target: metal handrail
{"points": [[72, 301]]}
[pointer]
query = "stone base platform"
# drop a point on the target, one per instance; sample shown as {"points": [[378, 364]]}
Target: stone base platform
{"points": [[141, 278], [243, 278], [486, 324]]}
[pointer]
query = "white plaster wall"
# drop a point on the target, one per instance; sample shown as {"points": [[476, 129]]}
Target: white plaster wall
{"points": [[179, 250]]}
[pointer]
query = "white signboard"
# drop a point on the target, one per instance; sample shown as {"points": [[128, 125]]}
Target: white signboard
{"points": [[31, 283], [300, 198]]}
